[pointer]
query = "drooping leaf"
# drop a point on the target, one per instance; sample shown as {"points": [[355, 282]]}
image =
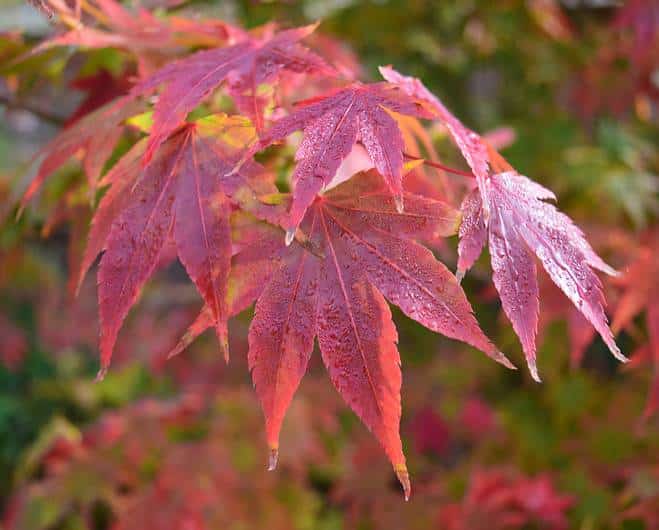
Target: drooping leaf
{"points": [[640, 284], [95, 135], [508, 211], [100, 88], [471, 146], [185, 192], [359, 249], [128, 30], [332, 124], [522, 224], [244, 66]]}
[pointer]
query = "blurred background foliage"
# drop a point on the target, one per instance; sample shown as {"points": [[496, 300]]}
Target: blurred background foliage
{"points": [[568, 89]]}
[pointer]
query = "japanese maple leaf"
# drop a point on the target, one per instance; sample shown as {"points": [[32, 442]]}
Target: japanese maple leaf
{"points": [[133, 31], [471, 146], [521, 224], [95, 135], [332, 124], [641, 291], [183, 192], [357, 248], [508, 209], [151, 40], [244, 66], [100, 88]]}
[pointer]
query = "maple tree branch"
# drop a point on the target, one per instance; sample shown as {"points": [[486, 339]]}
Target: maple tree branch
{"points": [[13, 103], [437, 165]]}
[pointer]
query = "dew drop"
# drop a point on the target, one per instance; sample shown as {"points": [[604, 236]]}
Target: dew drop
{"points": [[273, 458], [290, 235], [398, 199]]}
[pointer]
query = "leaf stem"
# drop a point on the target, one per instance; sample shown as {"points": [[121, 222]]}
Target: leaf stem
{"points": [[437, 165]]}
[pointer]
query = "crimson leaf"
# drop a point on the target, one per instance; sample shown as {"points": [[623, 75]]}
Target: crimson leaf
{"points": [[244, 66]]}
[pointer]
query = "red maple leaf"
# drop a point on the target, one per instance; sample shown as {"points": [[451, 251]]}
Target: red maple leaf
{"points": [[332, 124], [151, 40], [100, 88], [509, 211], [184, 194], [640, 283], [471, 146], [356, 248], [95, 135], [244, 66], [521, 224], [135, 31]]}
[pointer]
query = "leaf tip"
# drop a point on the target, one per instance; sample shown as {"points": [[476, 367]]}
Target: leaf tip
{"points": [[100, 375], [617, 353], [533, 369], [273, 458], [611, 271], [501, 358], [404, 479]]}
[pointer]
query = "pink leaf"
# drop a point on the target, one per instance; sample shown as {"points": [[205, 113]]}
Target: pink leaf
{"points": [[332, 124], [243, 66]]}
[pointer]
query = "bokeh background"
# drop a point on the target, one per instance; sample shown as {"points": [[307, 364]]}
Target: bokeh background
{"points": [[568, 90]]}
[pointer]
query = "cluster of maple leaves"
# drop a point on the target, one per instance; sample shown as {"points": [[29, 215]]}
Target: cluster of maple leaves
{"points": [[322, 261]]}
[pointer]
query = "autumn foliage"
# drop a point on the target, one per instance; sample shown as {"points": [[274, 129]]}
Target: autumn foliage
{"points": [[279, 177]]}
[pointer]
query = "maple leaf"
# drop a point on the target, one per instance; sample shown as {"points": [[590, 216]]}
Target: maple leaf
{"points": [[244, 66], [96, 135], [640, 284], [521, 224], [470, 143], [151, 40], [363, 249], [134, 31], [101, 88], [184, 192], [332, 124], [509, 211]]}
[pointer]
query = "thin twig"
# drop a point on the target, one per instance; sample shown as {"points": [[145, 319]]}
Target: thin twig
{"points": [[441, 166]]}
